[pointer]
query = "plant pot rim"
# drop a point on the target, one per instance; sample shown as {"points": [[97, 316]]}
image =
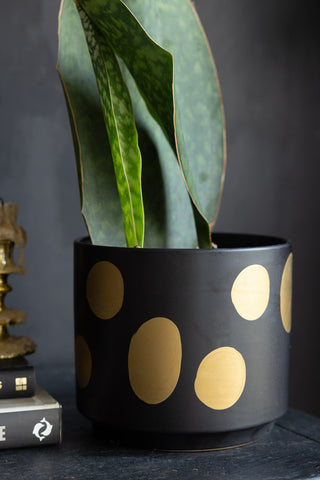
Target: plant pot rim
{"points": [[233, 242]]}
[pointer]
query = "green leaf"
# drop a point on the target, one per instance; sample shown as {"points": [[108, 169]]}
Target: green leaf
{"points": [[99, 196], [169, 216], [195, 101], [150, 65], [203, 230], [169, 219], [199, 117], [122, 134]]}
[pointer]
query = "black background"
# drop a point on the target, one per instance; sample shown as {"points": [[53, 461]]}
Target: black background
{"points": [[267, 55]]}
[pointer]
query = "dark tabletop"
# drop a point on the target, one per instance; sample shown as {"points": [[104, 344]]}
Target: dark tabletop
{"points": [[291, 451]]}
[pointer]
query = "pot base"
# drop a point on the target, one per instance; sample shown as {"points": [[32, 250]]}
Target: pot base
{"points": [[183, 442]]}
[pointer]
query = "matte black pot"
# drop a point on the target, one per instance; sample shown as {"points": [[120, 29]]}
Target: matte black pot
{"points": [[183, 349]]}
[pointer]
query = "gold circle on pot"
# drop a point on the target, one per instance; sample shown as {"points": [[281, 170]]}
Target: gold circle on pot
{"points": [[251, 291], [105, 290], [83, 361], [221, 378], [286, 294], [154, 360]]}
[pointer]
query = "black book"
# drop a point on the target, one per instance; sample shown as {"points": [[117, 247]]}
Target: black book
{"points": [[17, 378], [27, 422]]}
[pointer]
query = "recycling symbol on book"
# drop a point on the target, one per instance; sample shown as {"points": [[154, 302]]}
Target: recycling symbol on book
{"points": [[42, 429]]}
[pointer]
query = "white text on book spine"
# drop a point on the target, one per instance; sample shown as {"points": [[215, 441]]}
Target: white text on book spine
{"points": [[2, 433]]}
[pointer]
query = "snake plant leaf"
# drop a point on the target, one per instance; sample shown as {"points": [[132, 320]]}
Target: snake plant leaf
{"points": [[191, 90], [150, 65], [122, 133], [168, 209], [198, 109], [203, 229], [100, 203], [169, 220]]}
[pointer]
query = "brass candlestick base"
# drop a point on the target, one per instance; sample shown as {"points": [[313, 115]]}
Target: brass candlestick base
{"points": [[10, 346]]}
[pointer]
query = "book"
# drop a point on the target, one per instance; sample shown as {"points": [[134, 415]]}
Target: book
{"points": [[17, 378], [31, 421]]}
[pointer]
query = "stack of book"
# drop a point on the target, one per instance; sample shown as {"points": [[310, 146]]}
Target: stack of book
{"points": [[29, 416]]}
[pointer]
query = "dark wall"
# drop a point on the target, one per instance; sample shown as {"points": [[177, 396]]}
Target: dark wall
{"points": [[267, 54]]}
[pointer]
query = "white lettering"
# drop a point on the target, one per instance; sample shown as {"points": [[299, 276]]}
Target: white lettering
{"points": [[2, 434]]}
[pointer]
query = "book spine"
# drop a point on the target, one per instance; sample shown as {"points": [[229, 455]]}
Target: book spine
{"points": [[30, 428], [17, 382]]}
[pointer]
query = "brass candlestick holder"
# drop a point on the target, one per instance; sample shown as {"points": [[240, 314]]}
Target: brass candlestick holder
{"points": [[10, 235]]}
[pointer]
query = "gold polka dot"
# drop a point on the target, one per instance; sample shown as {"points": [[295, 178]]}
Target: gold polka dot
{"points": [[154, 360], [105, 290], [221, 378], [286, 294], [83, 361], [251, 291]]}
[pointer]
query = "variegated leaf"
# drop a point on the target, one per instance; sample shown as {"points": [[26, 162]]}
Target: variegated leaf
{"points": [[100, 203], [169, 220], [150, 65], [122, 134], [194, 100], [168, 209]]}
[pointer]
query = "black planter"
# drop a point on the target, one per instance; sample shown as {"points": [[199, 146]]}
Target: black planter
{"points": [[183, 349]]}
